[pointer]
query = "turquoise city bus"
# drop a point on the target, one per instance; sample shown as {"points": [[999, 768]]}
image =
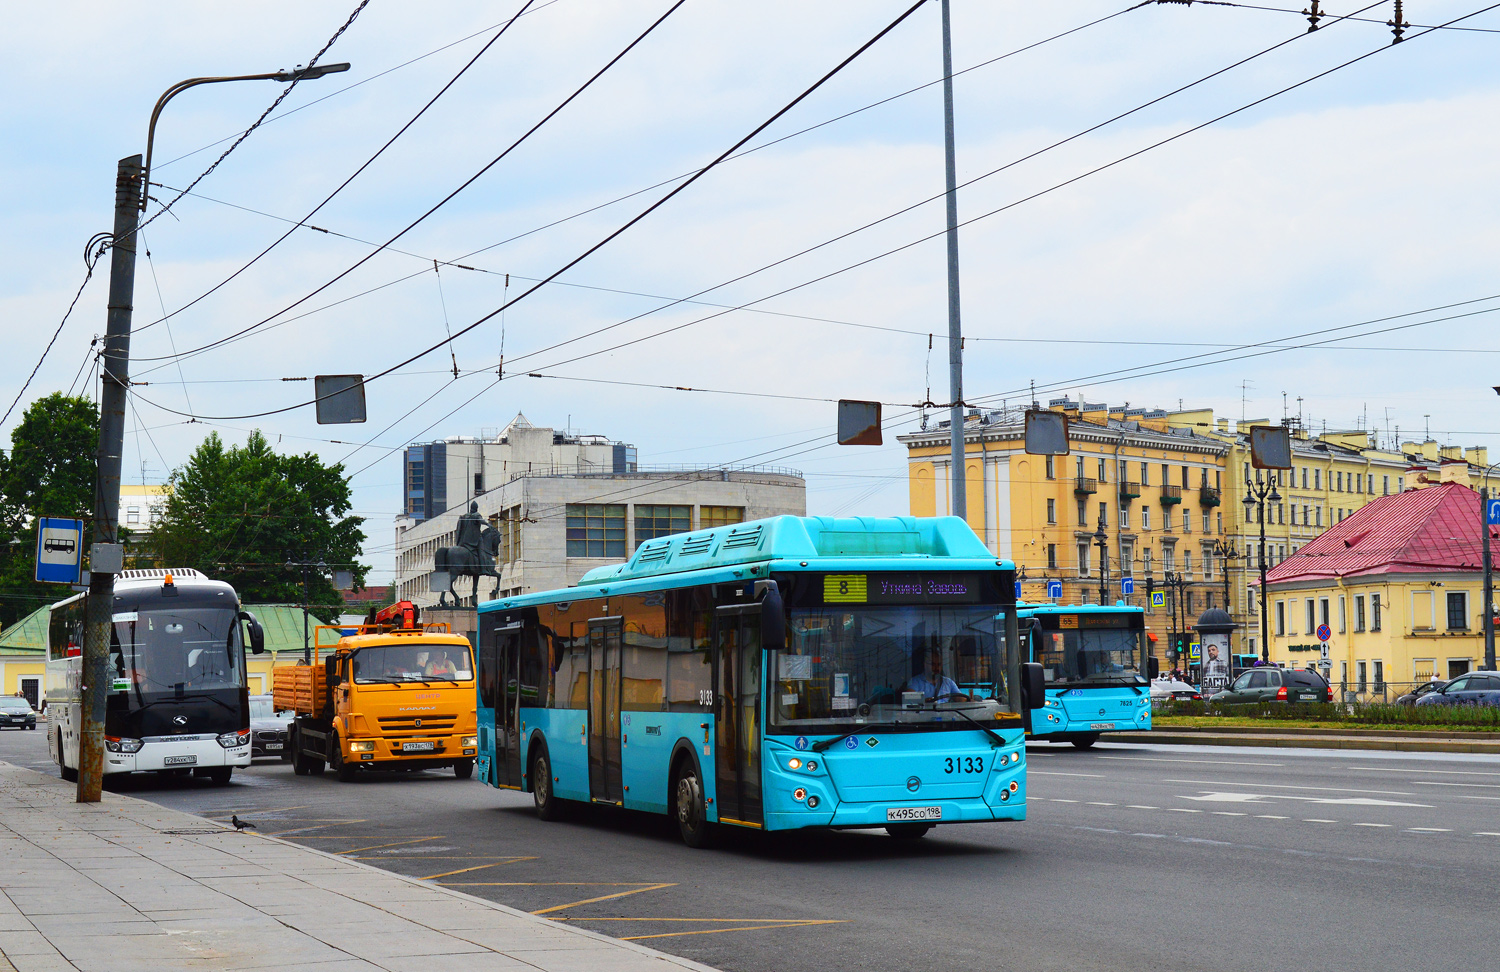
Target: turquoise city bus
{"points": [[780, 674], [1090, 655]]}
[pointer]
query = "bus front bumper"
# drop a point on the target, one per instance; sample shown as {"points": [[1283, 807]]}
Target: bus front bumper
{"points": [[177, 752]]}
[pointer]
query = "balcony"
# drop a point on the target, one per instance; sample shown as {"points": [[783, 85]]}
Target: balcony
{"points": [[1129, 491], [1208, 496], [1171, 495], [1083, 486]]}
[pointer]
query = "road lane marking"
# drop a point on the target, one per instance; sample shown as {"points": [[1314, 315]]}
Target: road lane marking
{"points": [[1388, 769], [1288, 786], [1317, 820], [1092, 776], [1487, 786], [1096, 803], [476, 867], [1429, 830], [1141, 806], [1058, 800], [1219, 797], [716, 931], [1183, 810], [1270, 816], [1487, 833], [393, 843], [1216, 762], [1227, 813], [1371, 825], [605, 897]]}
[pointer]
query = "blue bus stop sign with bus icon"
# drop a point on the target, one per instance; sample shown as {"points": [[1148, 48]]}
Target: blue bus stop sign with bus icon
{"points": [[59, 550], [1127, 585], [1054, 588]]}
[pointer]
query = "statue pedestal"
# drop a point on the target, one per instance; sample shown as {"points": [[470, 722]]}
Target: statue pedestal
{"points": [[462, 621]]}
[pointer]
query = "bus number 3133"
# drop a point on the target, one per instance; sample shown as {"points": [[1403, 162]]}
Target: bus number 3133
{"points": [[963, 764]]}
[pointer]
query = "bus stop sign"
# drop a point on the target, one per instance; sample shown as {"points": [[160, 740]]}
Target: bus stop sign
{"points": [[59, 550]]}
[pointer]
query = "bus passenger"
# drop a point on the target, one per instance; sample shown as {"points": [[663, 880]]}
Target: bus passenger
{"points": [[933, 684]]}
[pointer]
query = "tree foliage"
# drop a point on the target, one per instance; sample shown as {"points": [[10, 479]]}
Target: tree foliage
{"points": [[49, 471], [239, 514]]}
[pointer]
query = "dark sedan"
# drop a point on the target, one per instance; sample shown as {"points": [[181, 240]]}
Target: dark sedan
{"points": [[1425, 688], [1475, 688], [16, 713], [1269, 684], [267, 728]]}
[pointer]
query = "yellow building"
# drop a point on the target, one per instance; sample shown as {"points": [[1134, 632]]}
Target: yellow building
{"points": [[1157, 491], [1399, 584]]}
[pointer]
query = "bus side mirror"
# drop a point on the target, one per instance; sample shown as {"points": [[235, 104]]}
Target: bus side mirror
{"points": [[772, 616], [257, 633], [1153, 667], [1033, 686]]}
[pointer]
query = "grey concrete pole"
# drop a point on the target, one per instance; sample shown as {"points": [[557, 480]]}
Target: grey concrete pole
{"points": [[115, 379], [955, 329], [1489, 580], [1265, 623]]}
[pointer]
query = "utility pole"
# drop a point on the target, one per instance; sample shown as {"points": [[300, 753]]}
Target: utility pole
{"points": [[1489, 576], [106, 556], [955, 329], [306, 566]]}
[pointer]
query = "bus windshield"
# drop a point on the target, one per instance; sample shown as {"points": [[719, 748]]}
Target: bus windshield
{"points": [[1089, 656], [412, 663], [910, 665], [171, 650]]}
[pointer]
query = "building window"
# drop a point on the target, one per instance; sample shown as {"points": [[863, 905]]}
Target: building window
{"points": [[1379, 676], [1317, 479], [1166, 474], [1294, 516], [1281, 617], [1124, 517], [1168, 558], [1208, 563], [133, 514], [1312, 615], [1421, 611], [1250, 597], [1206, 523], [1104, 514], [1051, 508], [1323, 610], [1458, 615], [1400, 483], [1190, 611], [1385, 485], [1052, 556], [1187, 562], [1281, 514], [1145, 474], [1101, 471], [1145, 518], [1187, 522], [1083, 558], [1146, 561], [1318, 516], [661, 521], [1374, 612], [596, 530], [1184, 477], [1359, 612], [1360, 668], [1051, 467], [1343, 614], [712, 516], [1083, 513], [1339, 481], [1127, 558], [1080, 467], [1219, 517]]}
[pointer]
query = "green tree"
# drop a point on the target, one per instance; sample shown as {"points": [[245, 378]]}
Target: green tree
{"points": [[49, 471], [239, 514]]}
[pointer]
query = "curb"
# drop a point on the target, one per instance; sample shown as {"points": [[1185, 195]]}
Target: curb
{"points": [[1483, 736], [1387, 744]]}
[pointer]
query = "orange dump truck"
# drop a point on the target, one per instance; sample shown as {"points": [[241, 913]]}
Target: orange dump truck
{"points": [[386, 699]]}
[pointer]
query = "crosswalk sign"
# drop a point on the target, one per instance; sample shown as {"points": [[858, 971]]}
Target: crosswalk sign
{"points": [[1158, 598]]}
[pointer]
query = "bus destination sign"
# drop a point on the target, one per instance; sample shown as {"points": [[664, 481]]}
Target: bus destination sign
{"points": [[902, 588]]}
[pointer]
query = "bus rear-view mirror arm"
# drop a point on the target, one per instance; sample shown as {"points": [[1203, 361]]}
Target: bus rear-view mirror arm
{"points": [[1033, 686], [257, 633], [772, 615]]}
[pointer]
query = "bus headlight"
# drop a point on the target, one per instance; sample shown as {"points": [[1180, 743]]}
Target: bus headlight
{"points": [[470, 742], [230, 740], [362, 746], [117, 745]]}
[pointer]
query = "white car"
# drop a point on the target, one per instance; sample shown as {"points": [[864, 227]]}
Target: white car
{"points": [[1164, 689]]}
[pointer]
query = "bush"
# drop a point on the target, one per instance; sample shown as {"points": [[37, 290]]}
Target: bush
{"points": [[1369, 713]]}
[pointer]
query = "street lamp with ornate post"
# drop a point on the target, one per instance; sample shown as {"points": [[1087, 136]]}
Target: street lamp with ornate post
{"points": [[1258, 494], [1225, 552], [1101, 540]]}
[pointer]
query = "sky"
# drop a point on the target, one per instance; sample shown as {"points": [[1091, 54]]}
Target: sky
{"points": [[1168, 257]]}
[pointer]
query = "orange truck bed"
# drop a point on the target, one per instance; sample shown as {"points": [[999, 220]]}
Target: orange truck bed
{"points": [[299, 688]]}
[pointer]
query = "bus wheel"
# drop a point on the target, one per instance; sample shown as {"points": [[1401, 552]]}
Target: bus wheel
{"points": [[548, 806], [688, 808], [1084, 742], [908, 831], [344, 771], [219, 775], [463, 768]]}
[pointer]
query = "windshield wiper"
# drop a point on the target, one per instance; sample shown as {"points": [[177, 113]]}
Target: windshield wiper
{"points": [[996, 740], [818, 747]]}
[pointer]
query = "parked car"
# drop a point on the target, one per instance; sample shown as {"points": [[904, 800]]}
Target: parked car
{"points": [[1426, 688], [1276, 685], [1163, 689], [17, 713], [1475, 688], [268, 728]]}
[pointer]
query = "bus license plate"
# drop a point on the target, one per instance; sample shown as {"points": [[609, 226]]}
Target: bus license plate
{"points": [[1101, 725], [913, 813], [179, 760], [417, 747]]}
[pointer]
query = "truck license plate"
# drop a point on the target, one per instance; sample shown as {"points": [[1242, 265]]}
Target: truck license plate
{"points": [[913, 813], [179, 760], [416, 747]]}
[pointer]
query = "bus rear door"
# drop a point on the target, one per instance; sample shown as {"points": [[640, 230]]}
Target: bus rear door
{"points": [[605, 640], [737, 714]]}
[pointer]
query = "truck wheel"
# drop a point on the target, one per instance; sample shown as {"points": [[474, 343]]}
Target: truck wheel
{"points": [[463, 768], [219, 775], [548, 806], [689, 809], [1084, 742], [344, 771]]}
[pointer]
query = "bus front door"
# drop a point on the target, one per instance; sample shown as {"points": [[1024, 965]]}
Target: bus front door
{"points": [[506, 693], [605, 639], [737, 715]]}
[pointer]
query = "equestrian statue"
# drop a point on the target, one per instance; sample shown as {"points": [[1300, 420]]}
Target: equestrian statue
{"points": [[472, 555]]}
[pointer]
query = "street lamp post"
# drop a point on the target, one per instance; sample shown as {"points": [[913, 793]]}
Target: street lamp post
{"points": [[132, 186], [1225, 552], [1101, 539], [307, 567], [1257, 495], [1489, 570]]}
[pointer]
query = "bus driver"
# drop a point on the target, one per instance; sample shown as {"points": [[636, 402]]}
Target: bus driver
{"points": [[932, 683]]}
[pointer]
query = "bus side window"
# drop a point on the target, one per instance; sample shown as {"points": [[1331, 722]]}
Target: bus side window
{"points": [[689, 651]]}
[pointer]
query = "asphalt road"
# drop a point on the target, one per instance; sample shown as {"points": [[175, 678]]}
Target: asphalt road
{"points": [[1134, 857]]}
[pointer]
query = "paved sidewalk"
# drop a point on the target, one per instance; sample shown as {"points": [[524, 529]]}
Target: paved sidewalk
{"points": [[1385, 740], [125, 885]]}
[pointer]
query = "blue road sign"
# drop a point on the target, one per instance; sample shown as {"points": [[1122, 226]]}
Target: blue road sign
{"points": [[1158, 598], [1018, 590], [1492, 512], [1324, 632], [59, 550], [1054, 588], [1127, 585]]}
